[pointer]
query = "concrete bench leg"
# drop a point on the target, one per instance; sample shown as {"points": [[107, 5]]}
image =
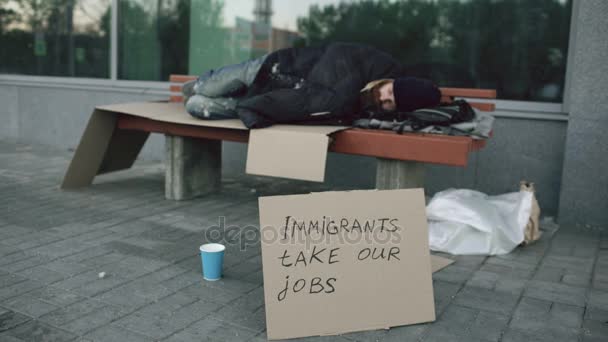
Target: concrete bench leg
{"points": [[192, 167], [399, 174]]}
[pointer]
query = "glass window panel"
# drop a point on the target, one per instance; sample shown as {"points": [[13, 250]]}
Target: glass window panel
{"points": [[153, 38], [55, 37], [517, 47]]}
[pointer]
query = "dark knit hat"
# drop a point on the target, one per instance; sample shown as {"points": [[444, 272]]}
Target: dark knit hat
{"points": [[413, 93]]}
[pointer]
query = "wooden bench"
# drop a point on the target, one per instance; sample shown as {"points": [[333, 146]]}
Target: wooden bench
{"points": [[193, 153]]}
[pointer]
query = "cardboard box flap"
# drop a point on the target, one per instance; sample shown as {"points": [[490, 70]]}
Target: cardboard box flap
{"points": [[173, 112], [290, 151]]}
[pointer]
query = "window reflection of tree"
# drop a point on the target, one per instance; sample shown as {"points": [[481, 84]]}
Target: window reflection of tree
{"points": [[517, 47], [44, 40]]}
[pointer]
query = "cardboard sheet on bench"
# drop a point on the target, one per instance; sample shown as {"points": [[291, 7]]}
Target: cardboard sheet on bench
{"points": [[288, 151]]}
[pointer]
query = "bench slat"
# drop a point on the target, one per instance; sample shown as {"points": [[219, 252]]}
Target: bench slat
{"points": [[485, 107], [464, 92], [176, 98], [181, 78], [428, 148]]}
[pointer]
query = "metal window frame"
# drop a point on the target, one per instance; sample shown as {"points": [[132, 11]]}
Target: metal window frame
{"points": [[114, 41], [504, 108]]}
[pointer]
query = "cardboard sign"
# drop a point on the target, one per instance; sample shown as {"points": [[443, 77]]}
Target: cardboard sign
{"points": [[338, 262]]}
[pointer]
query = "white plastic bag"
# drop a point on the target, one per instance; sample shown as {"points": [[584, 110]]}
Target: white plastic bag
{"points": [[470, 222]]}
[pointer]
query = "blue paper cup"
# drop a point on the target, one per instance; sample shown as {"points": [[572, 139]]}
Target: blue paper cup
{"points": [[212, 256]]}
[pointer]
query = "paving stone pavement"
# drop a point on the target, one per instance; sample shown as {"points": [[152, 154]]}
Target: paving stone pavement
{"points": [[54, 244]]}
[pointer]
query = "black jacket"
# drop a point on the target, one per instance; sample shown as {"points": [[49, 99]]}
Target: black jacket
{"points": [[316, 84]]}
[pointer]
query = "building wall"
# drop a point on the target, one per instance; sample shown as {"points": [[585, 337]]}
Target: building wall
{"points": [[520, 148], [584, 197]]}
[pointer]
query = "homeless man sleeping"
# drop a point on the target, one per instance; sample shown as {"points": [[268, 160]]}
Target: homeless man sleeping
{"points": [[332, 84]]}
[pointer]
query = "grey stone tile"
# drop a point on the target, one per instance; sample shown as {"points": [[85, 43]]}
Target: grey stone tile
{"points": [[577, 279], [7, 260], [124, 297], [231, 284], [254, 321], [488, 326], [88, 254], [472, 262], [10, 319], [63, 248], [29, 305], [395, 334], [600, 279], [67, 268], [136, 262], [103, 260], [549, 273], [515, 335], [255, 278], [8, 338], [100, 285], [486, 300], [12, 230], [19, 288], [243, 306], [38, 331], [77, 281], [94, 320], [240, 271], [598, 299], [42, 274], [160, 324], [31, 240], [211, 294], [114, 333], [455, 321], [483, 279], [453, 274], [594, 314], [554, 292], [25, 263], [571, 263], [7, 279], [138, 292], [507, 268], [594, 331], [72, 312], [538, 318], [163, 307], [336, 338], [56, 296], [7, 249], [444, 293], [511, 286], [210, 329]]}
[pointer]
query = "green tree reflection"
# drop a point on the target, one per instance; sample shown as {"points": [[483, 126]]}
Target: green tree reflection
{"points": [[517, 47], [43, 41]]}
